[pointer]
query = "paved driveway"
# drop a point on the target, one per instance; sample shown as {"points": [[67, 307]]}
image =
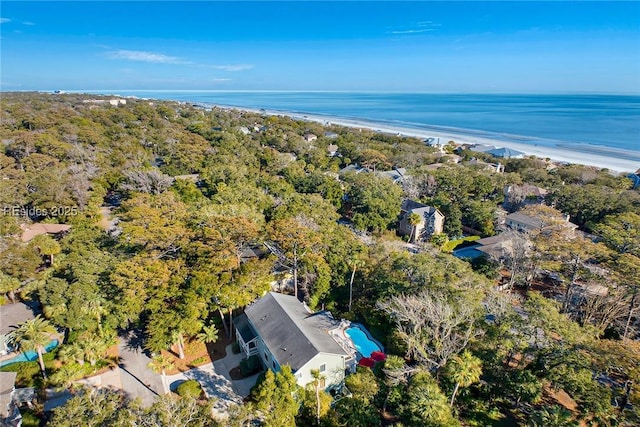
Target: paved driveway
{"points": [[137, 379]]}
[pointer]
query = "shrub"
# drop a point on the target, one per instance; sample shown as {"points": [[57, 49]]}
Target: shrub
{"points": [[189, 389], [250, 366]]}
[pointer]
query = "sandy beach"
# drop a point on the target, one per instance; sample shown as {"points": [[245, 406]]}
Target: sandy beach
{"points": [[614, 159]]}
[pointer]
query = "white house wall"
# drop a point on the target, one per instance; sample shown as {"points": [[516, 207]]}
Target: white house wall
{"points": [[333, 373]]}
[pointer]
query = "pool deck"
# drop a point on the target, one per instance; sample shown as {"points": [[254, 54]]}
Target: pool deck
{"points": [[342, 338]]}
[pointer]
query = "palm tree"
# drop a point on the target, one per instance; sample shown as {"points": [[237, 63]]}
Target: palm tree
{"points": [[95, 307], [159, 365], [178, 338], [208, 334], [33, 335], [554, 416], [47, 246], [465, 370], [72, 352], [355, 263], [317, 379], [414, 219]]}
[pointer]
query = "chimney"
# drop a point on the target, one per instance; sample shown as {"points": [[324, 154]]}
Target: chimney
{"points": [[566, 218]]}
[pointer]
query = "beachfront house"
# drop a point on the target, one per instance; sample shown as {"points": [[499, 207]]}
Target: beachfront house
{"points": [[281, 330], [431, 221], [505, 153]]}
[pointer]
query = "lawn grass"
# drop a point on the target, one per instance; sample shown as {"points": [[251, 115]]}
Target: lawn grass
{"points": [[451, 245]]}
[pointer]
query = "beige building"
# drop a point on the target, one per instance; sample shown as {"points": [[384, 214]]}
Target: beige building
{"points": [[431, 221]]}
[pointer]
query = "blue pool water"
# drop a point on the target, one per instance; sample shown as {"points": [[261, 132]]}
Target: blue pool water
{"points": [[29, 356], [362, 342]]}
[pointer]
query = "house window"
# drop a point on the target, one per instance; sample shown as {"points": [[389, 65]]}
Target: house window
{"points": [[266, 356], [323, 367], [274, 364], [252, 344]]}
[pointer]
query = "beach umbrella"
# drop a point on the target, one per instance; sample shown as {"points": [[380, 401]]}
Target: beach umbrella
{"points": [[367, 362], [378, 356]]}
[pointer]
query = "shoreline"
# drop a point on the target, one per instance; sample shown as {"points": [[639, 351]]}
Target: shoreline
{"points": [[557, 151], [616, 160]]}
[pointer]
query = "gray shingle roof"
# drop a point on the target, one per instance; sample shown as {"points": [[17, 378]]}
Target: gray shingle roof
{"points": [[526, 219], [292, 333], [418, 208], [12, 314]]}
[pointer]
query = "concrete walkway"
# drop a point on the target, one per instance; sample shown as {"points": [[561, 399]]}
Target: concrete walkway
{"points": [[224, 366], [216, 381]]}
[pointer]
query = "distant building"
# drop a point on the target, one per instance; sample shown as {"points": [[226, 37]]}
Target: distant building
{"points": [[493, 167], [309, 137], [517, 196], [526, 223], [505, 153], [635, 178], [244, 130], [352, 168], [431, 221], [332, 150], [481, 148], [397, 175], [330, 135], [36, 229]]}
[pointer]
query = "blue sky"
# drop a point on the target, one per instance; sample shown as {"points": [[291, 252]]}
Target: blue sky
{"points": [[545, 47]]}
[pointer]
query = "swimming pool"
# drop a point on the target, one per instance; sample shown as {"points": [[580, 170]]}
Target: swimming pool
{"points": [[361, 340], [29, 356]]}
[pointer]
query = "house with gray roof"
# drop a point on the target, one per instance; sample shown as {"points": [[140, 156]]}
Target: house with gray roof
{"points": [[431, 221], [281, 330], [505, 153], [398, 175], [524, 223]]}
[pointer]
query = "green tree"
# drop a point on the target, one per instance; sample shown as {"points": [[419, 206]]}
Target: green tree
{"points": [[554, 416], [160, 364], [463, 370], [9, 285], [362, 384], [277, 397], [33, 335], [375, 201], [621, 232], [47, 246], [356, 413], [426, 404], [208, 334]]}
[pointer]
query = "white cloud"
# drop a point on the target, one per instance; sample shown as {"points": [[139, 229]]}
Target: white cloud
{"points": [[418, 27], [144, 56], [217, 80], [28, 23], [233, 67], [4, 20], [424, 30]]}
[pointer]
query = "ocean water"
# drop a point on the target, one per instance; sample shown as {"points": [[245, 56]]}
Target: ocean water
{"points": [[563, 120]]}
